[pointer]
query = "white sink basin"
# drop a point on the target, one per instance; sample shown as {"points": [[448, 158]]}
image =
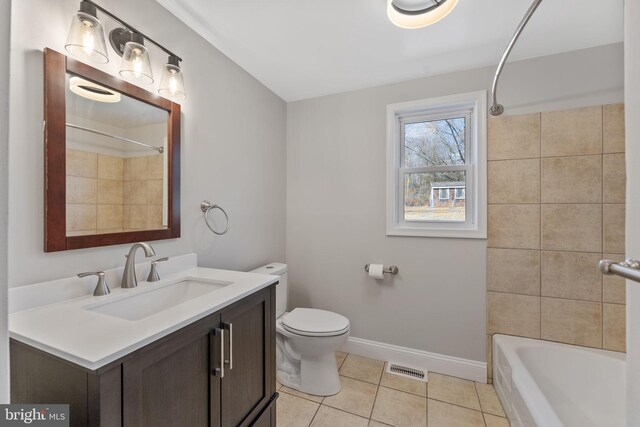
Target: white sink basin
{"points": [[163, 298]]}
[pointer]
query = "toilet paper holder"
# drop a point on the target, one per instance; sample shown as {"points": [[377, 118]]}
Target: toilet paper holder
{"points": [[392, 269]]}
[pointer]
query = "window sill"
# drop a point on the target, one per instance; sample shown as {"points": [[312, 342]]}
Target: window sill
{"points": [[443, 233]]}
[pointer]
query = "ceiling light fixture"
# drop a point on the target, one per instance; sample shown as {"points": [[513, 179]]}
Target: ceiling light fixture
{"points": [[412, 14], [92, 91], [86, 36], [171, 82]]}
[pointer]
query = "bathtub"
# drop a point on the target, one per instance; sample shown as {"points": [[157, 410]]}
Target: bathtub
{"points": [[548, 384]]}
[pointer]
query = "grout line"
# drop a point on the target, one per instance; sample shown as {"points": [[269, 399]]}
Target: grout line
{"points": [[553, 203], [549, 297], [402, 391], [426, 407], [451, 376], [614, 303], [455, 404], [343, 360], [475, 387], [553, 157], [299, 396], [374, 402], [602, 236], [550, 250], [314, 415], [554, 341], [358, 379]]}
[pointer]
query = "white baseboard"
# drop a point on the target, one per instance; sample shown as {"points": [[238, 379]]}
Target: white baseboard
{"points": [[428, 362]]}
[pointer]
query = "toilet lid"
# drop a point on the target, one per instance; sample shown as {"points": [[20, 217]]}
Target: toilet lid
{"points": [[312, 322]]}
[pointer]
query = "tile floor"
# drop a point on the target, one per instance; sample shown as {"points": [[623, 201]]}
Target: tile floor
{"points": [[372, 398]]}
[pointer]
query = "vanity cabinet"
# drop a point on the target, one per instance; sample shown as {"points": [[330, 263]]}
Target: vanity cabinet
{"points": [[218, 371]]}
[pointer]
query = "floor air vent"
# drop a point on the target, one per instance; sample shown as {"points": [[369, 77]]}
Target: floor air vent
{"points": [[405, 371]]}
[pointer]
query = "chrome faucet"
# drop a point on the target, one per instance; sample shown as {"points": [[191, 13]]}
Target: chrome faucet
{"points": [[129, 279]]}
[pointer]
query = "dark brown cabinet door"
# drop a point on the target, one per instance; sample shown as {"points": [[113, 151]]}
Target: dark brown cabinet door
{"points": [[248, 384], [172, 383]]}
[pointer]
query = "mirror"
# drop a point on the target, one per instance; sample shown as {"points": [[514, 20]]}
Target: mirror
{"points": [[119, 146], [116, 170]]}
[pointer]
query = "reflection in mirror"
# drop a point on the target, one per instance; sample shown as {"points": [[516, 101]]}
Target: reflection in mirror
{"points": [[116, 163]]}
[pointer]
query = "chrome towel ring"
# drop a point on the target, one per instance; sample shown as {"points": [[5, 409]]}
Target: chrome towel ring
{"points": [[207, 207]]}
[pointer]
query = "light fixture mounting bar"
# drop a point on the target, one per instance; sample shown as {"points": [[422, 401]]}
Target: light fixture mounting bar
{"points": [[133, 30]]}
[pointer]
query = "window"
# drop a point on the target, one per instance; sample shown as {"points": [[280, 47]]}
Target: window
{"points": [[436, 147]]}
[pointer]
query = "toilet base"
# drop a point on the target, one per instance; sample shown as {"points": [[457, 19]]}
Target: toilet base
{"points": [[318, 376]]}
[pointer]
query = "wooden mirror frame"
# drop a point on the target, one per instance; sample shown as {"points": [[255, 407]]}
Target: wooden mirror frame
{"points": [[56, 67]]}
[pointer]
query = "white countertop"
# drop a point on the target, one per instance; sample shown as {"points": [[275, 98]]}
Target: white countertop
{"points": [[69, 330]]}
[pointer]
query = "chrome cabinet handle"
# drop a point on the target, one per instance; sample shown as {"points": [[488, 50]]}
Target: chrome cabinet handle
{"points": [[218, 372], [229, 327]]}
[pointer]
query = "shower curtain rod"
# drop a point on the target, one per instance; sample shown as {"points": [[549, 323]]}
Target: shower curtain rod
{"points": [[131, 141], [497, 109]]}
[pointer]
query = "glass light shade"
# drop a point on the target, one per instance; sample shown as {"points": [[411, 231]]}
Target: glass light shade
{"points": [[86, 39], [135, 65], [171, 82], [413, 19]]}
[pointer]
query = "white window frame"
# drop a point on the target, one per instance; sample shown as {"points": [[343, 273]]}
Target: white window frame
{"points": [[472, 106], [463, 197], [440, 190]]}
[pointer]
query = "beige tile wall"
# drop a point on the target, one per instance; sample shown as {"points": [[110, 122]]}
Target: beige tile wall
{"points": [[94, 193], [556, 207], [143, 192], [107, 194]]}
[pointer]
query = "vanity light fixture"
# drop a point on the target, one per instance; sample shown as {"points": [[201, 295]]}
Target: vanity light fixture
{"points": [[171, 82], [86, 36], [135, 64], [92, 91], [86, 41], [412, 14]]}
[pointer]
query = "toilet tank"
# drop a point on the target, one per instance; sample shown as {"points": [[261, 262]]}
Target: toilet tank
{"points": [[282, 290]]}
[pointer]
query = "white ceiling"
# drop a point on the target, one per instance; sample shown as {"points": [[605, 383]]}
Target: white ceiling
{"points": [[302, 48]]}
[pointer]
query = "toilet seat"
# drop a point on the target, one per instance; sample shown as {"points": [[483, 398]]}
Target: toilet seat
{"points": [[311, 322]]}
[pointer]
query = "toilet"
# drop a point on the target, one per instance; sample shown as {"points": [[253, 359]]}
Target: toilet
{"points": [[306, 342]]}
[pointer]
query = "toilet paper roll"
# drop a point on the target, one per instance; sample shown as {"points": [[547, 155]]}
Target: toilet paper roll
{"points": [[375, 271]]}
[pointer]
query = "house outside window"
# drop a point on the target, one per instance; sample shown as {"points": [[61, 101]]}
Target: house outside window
{"points": [[436, 167]]}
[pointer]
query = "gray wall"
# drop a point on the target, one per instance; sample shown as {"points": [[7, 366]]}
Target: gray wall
{"points": [[336, 204], [233, 147], [5, 30]]}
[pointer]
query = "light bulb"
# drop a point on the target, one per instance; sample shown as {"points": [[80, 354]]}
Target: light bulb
{"points": [[88, 41], [172, 83], [137, 67], [135, 63]]}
